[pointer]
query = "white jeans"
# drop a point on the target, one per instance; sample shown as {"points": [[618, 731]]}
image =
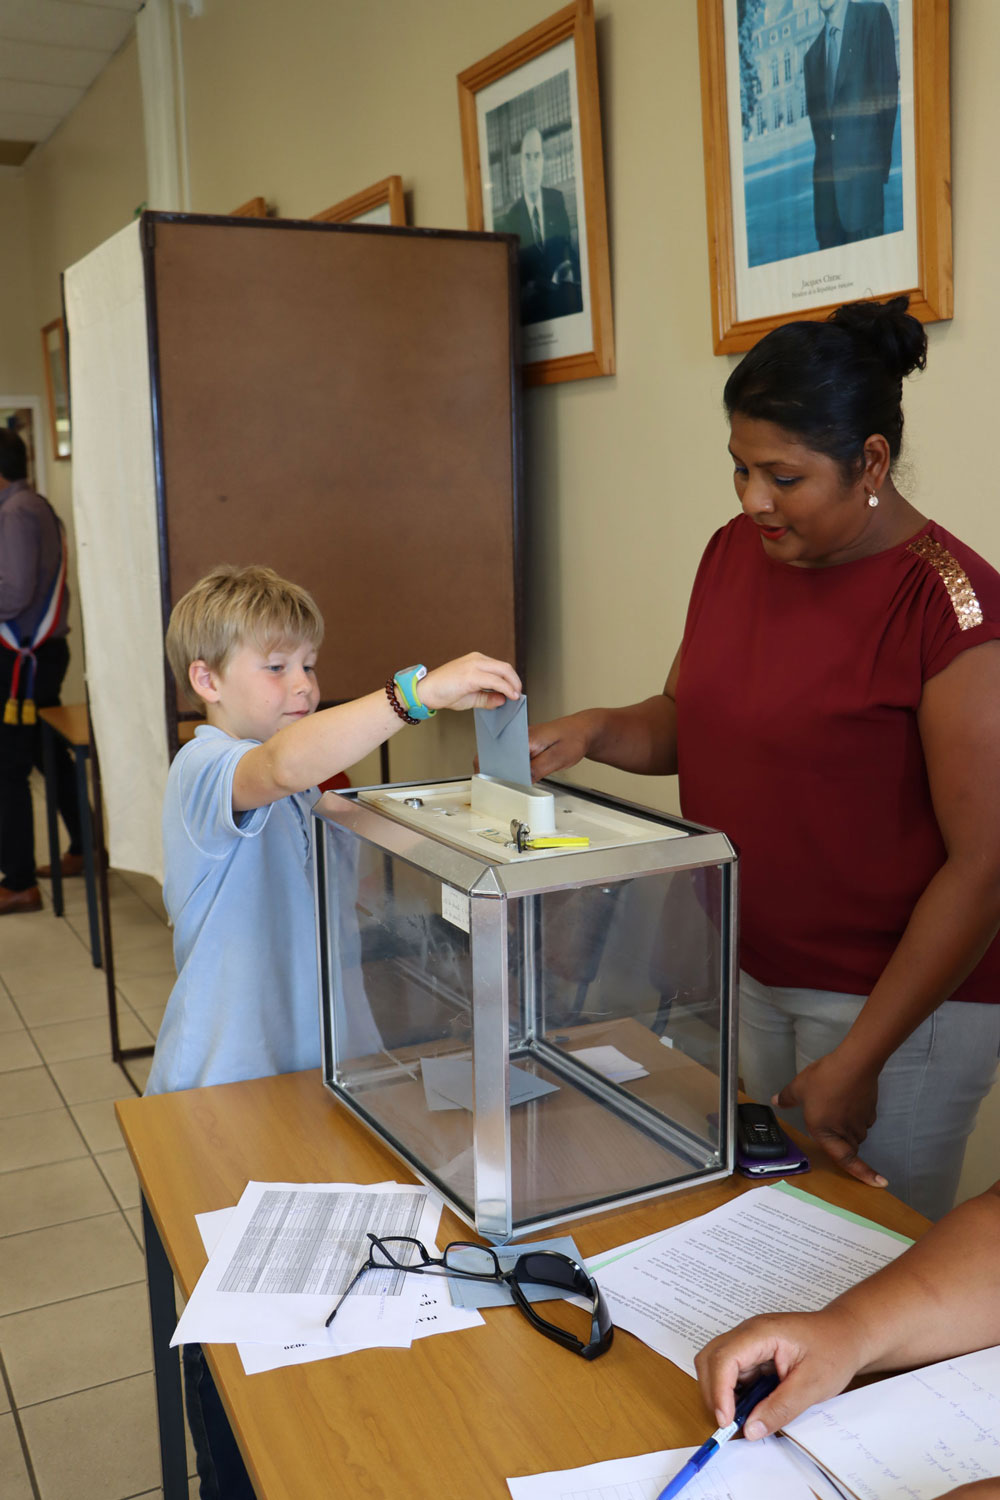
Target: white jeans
{"points": [[929, 1091]]}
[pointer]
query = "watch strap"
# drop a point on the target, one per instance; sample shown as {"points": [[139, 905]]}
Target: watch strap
{"points": [[406, 682]]}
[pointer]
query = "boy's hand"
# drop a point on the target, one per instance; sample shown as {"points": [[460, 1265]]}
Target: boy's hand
{"points": [[473, 681]]}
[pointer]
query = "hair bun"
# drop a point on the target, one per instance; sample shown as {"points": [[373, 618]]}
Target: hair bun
{"points": [[897, 338]]}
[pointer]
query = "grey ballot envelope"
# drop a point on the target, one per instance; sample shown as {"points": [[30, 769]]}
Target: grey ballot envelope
{"points": [[502, 741]]}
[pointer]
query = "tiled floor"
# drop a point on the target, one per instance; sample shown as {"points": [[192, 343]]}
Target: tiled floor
{"points": [[77, 1410]]}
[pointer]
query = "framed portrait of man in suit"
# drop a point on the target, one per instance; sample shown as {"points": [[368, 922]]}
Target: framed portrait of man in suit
{"points": [[827, 158], [531, 141]]}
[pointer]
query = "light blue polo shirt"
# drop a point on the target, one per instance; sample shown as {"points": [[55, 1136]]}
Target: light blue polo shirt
{"points": [[238, 890]]}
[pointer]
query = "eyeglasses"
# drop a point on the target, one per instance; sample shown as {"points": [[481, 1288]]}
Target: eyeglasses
{"points": [[471, 1262]]}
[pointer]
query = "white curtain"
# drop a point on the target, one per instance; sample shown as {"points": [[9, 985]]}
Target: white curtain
{"points": [[114, 510]]}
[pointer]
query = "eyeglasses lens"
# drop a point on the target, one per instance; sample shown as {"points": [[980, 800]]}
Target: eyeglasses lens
{"points": [[471, 1260], [592, 1328], [548, 1269], [397, 1251]]}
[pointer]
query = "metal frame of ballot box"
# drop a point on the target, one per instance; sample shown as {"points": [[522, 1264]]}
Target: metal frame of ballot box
{"points": [[490, 886]]}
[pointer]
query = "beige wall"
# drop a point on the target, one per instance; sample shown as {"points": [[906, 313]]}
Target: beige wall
{"points": [[626, 476], [20, 341], [307, 101], [77, 189]]}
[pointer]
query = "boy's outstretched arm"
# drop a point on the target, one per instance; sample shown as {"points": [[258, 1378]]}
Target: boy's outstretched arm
{"points": [[318, 746], [941, 1297]]}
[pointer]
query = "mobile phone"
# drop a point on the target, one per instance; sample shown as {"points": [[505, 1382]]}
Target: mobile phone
{"points": [[762, 1147], [758, 1133]]}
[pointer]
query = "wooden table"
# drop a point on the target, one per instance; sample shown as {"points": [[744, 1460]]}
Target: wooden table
{"points": [[451, 1417], [70, 724]]}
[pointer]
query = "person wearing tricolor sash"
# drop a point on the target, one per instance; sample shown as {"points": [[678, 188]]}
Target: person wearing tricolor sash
{"points": [[34, 654]]}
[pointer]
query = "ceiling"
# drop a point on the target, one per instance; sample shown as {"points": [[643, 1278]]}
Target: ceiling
{"points": [[50, 53]]}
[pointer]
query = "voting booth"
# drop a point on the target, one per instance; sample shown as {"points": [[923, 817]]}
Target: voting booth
{"points": [[338, 401], [539, 1028]]}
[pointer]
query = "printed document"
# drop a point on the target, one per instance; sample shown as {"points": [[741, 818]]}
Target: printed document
{"points": [[435, 1314], [740, 1471], [774, 1249], [291, 1249]]}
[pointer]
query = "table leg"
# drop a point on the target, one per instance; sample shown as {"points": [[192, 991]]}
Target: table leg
{"points": [[80, 754], [166, 1362], [52, 815]]}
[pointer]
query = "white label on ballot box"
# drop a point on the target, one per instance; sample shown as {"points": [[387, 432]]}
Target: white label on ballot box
{"points": [[455, 907]]}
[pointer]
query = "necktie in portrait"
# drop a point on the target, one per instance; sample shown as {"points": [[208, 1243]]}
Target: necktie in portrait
{"points": [[832, 58]]}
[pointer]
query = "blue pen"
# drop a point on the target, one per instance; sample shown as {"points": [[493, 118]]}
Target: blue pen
{"points": [[745, 1403]]}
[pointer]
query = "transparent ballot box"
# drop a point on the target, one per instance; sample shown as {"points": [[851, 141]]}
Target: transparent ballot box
{"points": [[537, 1032]]}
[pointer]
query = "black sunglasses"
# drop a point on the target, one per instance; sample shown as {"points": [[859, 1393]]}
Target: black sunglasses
{"points": [[472, 1262]]}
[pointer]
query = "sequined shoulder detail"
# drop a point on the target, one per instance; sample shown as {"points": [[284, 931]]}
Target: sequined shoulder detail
{"points": [[954, 577]]}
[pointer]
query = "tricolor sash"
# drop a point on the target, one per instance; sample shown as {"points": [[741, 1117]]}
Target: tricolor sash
{"points": [[22, 710]]}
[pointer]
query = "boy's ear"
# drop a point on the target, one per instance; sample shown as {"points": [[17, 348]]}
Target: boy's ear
{"points": [[204, 681]]}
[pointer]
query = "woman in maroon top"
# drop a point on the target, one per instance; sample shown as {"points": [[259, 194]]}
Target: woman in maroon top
{"points": [[835, 709]]}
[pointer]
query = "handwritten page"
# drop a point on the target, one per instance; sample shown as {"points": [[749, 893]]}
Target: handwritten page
{"points": [[740, 1471], [773, 1249], [291, 1249], [914, 1436]]}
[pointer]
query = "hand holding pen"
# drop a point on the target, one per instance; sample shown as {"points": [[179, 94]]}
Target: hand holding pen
{"points": [[815, 1354], [746, 1400]]}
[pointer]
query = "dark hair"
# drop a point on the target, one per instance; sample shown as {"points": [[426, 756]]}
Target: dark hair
{"points": [[13, 455], [833, 384]]}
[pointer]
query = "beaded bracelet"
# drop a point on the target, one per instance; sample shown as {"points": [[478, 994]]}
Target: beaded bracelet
{"points": [[390, 693]]}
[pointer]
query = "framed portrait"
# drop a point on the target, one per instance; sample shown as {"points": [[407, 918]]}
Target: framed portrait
{"points": [[827, 159], [23, 415], [253, 208], [382, 203], [57, 383], [531, 146]]}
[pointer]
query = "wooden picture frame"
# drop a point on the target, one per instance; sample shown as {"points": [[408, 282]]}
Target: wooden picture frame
{"points": [[23, 415], [253, 208], [382, 203], [775, 246], [57, 387], [530, 113]]}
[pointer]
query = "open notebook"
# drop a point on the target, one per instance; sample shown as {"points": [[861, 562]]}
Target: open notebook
{"points": [[910, 1437], [916, 1435]]}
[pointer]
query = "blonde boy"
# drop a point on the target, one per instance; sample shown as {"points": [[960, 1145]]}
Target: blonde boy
{"points": [[238, 884]]}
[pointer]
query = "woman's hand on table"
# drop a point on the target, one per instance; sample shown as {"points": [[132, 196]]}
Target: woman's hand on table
{"points": [[816, 1354], [839, 1103]]}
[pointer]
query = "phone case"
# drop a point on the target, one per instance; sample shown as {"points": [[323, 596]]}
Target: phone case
{"points": [[762, 1148]]}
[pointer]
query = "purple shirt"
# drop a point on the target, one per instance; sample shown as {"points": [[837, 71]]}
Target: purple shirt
{"points": [[30, 554]]}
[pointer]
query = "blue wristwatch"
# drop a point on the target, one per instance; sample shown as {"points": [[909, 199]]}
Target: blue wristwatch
{"points": [[406, 681]]}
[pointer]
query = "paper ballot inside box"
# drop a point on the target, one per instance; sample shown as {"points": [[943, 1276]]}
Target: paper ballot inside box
{"points": [[502, 742]]}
